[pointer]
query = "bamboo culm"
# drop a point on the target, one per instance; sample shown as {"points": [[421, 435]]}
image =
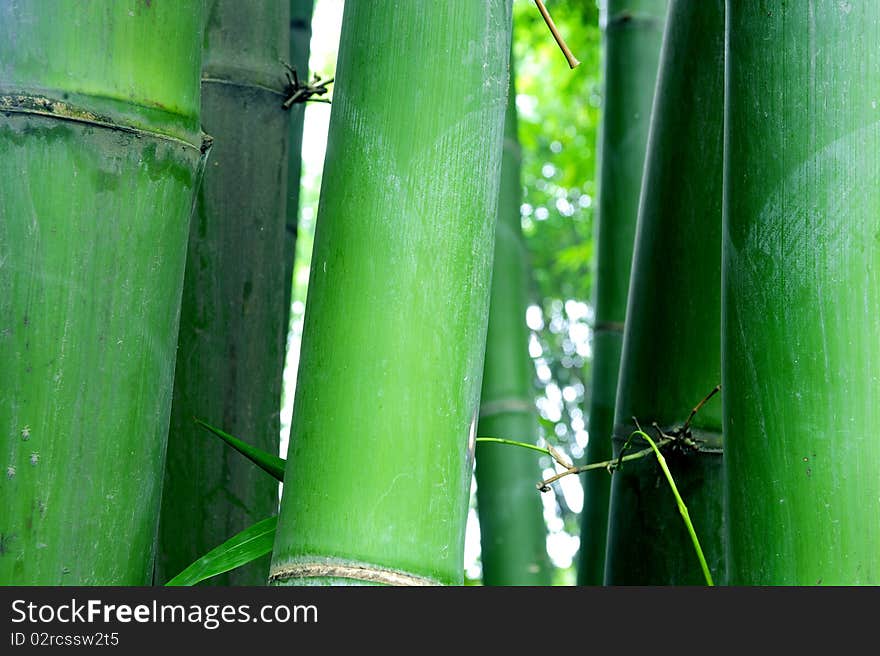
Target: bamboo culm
{"points": [[513, 536], [100, 152], [672, 343], [801, 293], [380, 458], [233, 321], [633, 33]]}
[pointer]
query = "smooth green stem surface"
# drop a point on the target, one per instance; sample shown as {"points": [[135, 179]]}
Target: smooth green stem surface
{"points": [[633, 32], [99, 160], [801, 293], [672, 343], [380, 458], [513, 535]]}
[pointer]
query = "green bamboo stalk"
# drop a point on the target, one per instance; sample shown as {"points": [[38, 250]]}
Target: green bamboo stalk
{"points": [[679, 502], [672, 343], [633, 32], [379, 471], [99, 156], [801, 293], [233, 319], [513, 536], [300, 39]]}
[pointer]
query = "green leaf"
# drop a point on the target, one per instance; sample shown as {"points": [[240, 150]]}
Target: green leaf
{"points": [[241, 549], [266, 461]]}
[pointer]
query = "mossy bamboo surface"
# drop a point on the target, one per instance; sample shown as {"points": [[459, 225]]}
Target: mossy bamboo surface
{"points": [[633, 33], [99, 155], [672, 344], [233, 318], [380, 459], [801, 293]]}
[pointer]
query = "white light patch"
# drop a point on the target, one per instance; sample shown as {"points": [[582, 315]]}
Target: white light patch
{"points": [[534, 317]]}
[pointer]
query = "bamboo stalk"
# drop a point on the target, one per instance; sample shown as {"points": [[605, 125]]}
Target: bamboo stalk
{"points": [[801, 293], [99, 156], [233, 320], [633, 32], [513, 536], [672, 343], [380, 460]]}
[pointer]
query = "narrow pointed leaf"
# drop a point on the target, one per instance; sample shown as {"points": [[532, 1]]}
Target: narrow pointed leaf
{"points": [[241, 549], [266, 461]]}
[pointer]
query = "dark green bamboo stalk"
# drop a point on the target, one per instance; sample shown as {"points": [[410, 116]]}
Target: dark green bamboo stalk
{"points": [[300, 39], [99, 151], [801, 293], [633, 32], [513, 536], [233, 320], [377, 482], [672, 344]]}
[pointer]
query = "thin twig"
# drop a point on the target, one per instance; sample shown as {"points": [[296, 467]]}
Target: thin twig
{"points": [[558, 457], [609, 465], [302, 92], [687, 424], [525, 445], [569, 57]]}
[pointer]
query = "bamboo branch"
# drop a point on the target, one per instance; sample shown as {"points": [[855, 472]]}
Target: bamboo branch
{"points": [[609, 465], [525, 445], [569, 57], [687, 424], [680, 435], [682, 509]]}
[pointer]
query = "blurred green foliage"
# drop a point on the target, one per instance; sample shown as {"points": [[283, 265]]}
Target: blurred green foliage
{"points": [[559, 111], [558, 118]]}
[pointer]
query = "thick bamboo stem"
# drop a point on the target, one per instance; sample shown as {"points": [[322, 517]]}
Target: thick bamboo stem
{"points": [[801, 293], [99, 151], [233, 320], [513, 535], [672, 343], [380, 458], [633, 32]]}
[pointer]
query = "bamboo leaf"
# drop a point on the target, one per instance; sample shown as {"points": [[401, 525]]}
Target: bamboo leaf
{"points": [[241, 549], [269, 463], [548, 425]]}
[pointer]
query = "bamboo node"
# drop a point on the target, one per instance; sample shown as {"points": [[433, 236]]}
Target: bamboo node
{"points": [[343, 570], [26, 103]]}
